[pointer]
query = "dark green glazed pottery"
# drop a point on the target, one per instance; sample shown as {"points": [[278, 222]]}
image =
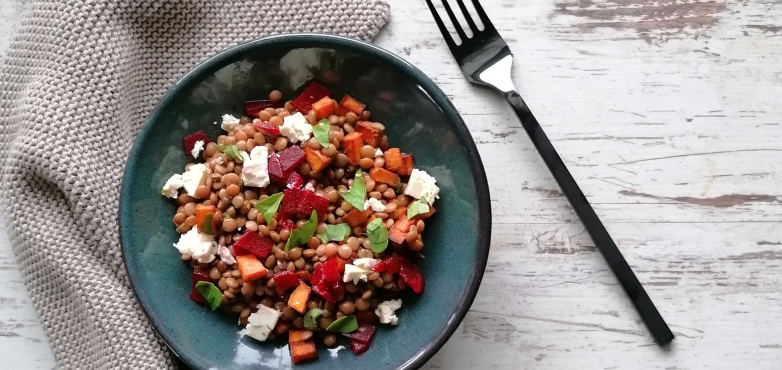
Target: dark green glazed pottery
{"points": [[418, 118]]}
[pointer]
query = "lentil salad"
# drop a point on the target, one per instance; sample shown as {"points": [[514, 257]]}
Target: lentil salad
{"points": [[302, 221]]}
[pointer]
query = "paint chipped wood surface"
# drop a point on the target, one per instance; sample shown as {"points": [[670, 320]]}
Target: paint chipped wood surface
{"points": [[669, 116]]}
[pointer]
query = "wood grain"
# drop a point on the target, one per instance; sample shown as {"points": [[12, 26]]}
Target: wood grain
{"points": [[669, 116]]}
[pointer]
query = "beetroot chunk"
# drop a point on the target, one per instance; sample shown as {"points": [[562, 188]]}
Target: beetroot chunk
{"points": [[191, 139], [309, 96], [291, 158]]}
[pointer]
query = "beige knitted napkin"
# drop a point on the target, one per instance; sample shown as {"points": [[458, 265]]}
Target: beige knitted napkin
{"points": [[79, 80]]}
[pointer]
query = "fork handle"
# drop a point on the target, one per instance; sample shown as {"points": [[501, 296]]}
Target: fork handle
{"points": [[657, 326]]}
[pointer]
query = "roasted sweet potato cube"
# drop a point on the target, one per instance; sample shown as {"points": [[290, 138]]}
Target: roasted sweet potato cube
{"points": [[356, 217], [348, 104], [299, 297], [303, 350], [317, 160], [371, 135], [393, 158], [399, 231], [382, 175], [407, 165], [323, 107], [353, 143]]}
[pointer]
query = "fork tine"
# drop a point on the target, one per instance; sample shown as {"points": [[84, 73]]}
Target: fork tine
{"points": [[484, 18], [455, 22], [467, 17], [441, 26]]}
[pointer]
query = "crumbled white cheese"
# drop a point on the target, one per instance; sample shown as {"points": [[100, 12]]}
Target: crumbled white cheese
{"points": [[355, 273], [197, 148], [172, 186], [309, 187], [378, 153], [296, 128], [229, 122], [422, 186], [255, 171], [220, 160], [261, 323], [200, 246], [385, 311], [195, 176], [375, 204], [365, 263], [226, 256]]}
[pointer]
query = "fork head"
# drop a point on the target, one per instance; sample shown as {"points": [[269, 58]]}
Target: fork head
{"points": [[484, 58]]}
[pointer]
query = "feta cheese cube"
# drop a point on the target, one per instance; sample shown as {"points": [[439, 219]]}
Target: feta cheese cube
{"points": [[197, 148], [365, 263], [385, 311], [355, 274], [422, 186], [202, 247], [195, 176], [375, 204], [229, 122], [255, 171], [296, 128], [172, 186], [226, 256], [378, 153], [261, 323]]}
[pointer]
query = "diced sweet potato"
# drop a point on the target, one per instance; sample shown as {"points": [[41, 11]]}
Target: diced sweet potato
{"points": [[299, 297], [317, 160], [393, 158], [348, 104], [353, 144], [250, 267], [303, 350], [323, 107], [425, 216], [201, 212], [355, 217], [371, 135], [296, 336], [382, 175], [407, 165], [399, 231]]}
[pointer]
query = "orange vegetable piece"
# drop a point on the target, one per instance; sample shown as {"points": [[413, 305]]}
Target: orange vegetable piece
{"points": [[295, 336], [424, 216], [381, 175], [317, 160], [201, 212], [303, 350], [393, 158], [399, 231], [348, 104], [355, 217], [371, 135], [250, 267], [353, 144], [299, 297], [407, 165], [323, 107]]}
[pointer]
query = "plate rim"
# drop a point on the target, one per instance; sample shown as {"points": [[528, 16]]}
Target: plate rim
{"points": [[226, 56]]}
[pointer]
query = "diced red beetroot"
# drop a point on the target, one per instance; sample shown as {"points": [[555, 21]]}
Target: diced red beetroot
{"points": [[291, 158], [286, 223], [411, 274], [253, 243], [298, 201], [275, 168], [334, 287], [310, 95], [358, 347], [267, 127], [198, 275], [330, 271], [363, 334], [253, 107], [191, 139], [294, 181], [285, 280], [327, 290]]}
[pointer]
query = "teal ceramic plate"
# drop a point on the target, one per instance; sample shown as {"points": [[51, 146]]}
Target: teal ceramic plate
{"points": [[418, 118]]}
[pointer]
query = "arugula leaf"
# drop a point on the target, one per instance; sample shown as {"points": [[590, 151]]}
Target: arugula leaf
{"points": [[321, 132], [268, 207], [355, 196], [207, 226], [336, 233], [378, 235], [417, 208], [344, 324], [303, 233], [311, 318], [231, 151], [210, 292]]}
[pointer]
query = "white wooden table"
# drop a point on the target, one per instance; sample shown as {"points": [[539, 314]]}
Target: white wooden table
{"points": [[669, 115]]}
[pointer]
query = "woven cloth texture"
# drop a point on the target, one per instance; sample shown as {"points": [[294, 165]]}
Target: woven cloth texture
{"points": [[79, 80]]}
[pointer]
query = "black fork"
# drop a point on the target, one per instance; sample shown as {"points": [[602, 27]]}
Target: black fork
{"points": [[485, 59]]}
